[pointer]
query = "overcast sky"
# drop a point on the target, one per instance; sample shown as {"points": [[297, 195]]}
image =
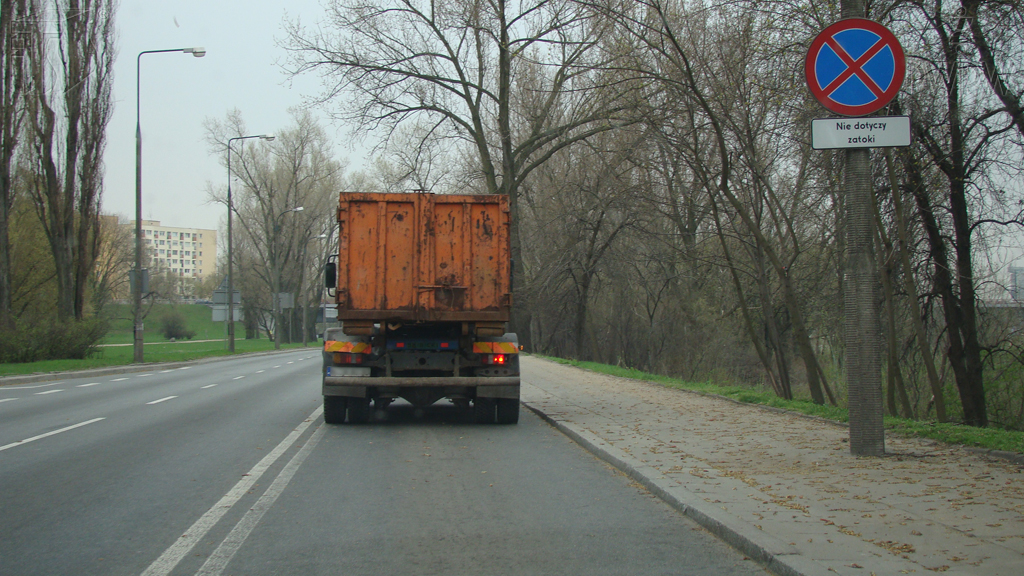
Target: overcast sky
{"points": [[179, 91]]}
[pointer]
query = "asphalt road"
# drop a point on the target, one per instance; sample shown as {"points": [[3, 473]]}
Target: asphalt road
{"points": [[227, 468]]}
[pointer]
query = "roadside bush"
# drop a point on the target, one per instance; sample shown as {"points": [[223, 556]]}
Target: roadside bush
{"points": [[28, 342], [172, 326]]}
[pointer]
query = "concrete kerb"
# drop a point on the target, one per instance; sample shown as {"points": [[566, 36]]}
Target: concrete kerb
{"points": [[131, 368], [776, 556]]}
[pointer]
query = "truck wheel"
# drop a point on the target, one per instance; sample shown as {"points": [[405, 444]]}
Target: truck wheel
{"points": [[359, 410], [508, 410], [334, 409], [483, 410]]}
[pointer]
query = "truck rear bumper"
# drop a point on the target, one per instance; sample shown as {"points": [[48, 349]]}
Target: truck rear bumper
{"points": [[485, 387]]}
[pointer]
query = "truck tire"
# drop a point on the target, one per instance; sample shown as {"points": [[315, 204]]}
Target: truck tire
{"points": [[483, 410], [334, 409], [359, 410], [508, 410]]}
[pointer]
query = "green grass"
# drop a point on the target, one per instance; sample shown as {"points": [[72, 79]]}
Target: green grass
{"points": [[988, 438], [198, 317], [122, 355]]}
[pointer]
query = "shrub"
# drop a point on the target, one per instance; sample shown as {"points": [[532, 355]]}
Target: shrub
{"points": [[31, 342], [172, 326]]}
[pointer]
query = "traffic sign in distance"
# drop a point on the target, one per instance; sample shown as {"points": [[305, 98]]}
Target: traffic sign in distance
{"points": [[855, 67]]}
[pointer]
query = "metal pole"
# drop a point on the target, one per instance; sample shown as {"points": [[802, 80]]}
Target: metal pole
{"points": [[231, 287], [860, 298], [137, 343]]}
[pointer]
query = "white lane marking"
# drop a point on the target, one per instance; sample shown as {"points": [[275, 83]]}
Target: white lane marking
{"points": [[238, 377], [48, 392], [184, 368], [118, 379], [220, 558], [278, 366], [291, 362], [144, 375], [161, 400], [48, 434], [260, 371], [183, 545], [2, 400], [207, 386], [166, 371], [87, 385]]}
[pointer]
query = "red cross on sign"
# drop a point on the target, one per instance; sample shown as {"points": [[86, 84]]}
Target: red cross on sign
{"points": [[855, 67]]}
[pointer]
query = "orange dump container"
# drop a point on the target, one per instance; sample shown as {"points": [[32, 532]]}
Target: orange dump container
{"points": [[424, 257]]}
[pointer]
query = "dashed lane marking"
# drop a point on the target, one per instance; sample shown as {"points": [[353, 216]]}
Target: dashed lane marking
{"points": [[260, 371], [207, 386], [48, 392], [162, 400], [87, 385], [118, 379], [2, 400], [48, 434], [278, 366], [144, 375], [238, 377]]}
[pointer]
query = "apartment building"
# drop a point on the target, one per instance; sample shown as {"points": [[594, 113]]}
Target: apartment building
{"points": [[185, 252]]}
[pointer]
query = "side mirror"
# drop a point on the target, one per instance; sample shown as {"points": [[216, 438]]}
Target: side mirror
{"points": [[331, 275]]}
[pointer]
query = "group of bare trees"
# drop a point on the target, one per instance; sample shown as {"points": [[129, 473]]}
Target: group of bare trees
{"points": [[670, 213], [284, 221], [57, 60]]}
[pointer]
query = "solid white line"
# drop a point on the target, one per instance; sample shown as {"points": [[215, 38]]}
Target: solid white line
{"points": [[48, 392], [118, 379], [87, 385], [41, 436], [218, 561], [162, 400], [7, 399], [184, 544], [238, 377], [207, 386]]}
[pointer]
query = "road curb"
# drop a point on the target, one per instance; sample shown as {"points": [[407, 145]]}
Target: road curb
{"points": [[776, 556], [130, 368]]}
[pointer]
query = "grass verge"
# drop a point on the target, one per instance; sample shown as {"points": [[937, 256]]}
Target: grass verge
{"points": [[988, 438], [161, 352]]}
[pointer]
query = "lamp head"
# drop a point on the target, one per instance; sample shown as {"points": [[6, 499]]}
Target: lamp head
{"points": [[197, 51], [267, 137]]}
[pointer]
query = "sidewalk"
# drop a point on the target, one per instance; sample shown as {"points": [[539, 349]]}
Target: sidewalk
{"points": [[784, 489]]}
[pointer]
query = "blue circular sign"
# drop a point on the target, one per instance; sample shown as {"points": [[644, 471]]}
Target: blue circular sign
{"points": [[855, 67]]}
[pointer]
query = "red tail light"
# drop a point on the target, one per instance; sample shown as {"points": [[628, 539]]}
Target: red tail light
{"points": [[494, 359]]}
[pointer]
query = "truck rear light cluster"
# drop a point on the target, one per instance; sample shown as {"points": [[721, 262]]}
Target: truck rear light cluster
{"points": [[496, 359], [348, 358]]}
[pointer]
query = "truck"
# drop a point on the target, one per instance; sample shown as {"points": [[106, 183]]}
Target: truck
{"points": [[423, 287]]}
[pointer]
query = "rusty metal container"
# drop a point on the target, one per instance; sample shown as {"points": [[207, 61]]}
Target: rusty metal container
{"points": [[423, 257]]}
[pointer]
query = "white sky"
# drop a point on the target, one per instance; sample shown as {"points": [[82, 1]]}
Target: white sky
{"points": [[179, 91]]}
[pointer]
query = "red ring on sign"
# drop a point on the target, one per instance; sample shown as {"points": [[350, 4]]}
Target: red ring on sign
{"points": [[883, 97]]}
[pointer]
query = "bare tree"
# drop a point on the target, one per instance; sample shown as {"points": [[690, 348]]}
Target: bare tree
{"points": [[515, 81], [70, 106], [15, 28]]}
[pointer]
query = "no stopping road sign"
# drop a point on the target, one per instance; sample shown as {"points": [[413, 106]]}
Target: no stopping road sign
{"points": [[855, 67]]}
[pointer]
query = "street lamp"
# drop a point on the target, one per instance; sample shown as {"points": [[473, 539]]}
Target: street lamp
{"points": [[277, 277], [137, 290], [231, 293]]}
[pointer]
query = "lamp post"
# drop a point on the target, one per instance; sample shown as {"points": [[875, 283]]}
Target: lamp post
{"points": [[137, 290], [231, 288], [277, 277]]}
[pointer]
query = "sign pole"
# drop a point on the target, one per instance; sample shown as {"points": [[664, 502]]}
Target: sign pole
{"points": [[860, 298]]}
